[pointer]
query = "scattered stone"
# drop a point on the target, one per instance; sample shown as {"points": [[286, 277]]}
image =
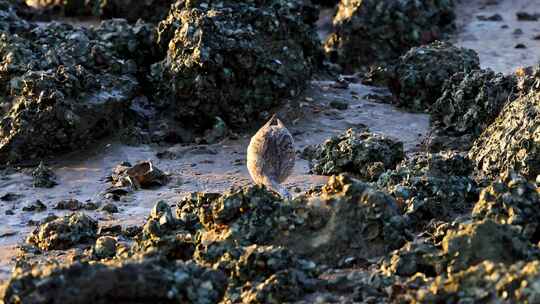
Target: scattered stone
{"points": [[10, 197], [417, 79], [340, 105], [495, 17], [520, 46], [64, 232], [109, 208], [364, 154], [36, 205], [525, 16], [43, 177], [163, 234], [69, 204], [373, 32], [142, 175]]}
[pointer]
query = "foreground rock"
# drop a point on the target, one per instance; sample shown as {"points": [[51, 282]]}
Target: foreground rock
{"points": [[373, 32], [432, 186], [513, 200], [486, 282], [512, 142], [417, 79], [130, 281], [234, 60], [364, 154]]}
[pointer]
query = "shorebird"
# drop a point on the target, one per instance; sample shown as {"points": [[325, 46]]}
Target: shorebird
{"points": [[270, 156]]}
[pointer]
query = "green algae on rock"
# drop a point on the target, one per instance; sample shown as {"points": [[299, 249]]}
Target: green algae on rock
{"points": [[417, 79], [512, 200], [432, 186], [375, 32], [364, 154], [234, 59], [512, 142], [64, 232], [150, 280]]}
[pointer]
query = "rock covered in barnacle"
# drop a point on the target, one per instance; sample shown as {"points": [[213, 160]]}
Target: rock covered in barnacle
{"points": [[149, 280], [512, 200], [512, 141], [251, 215], [234, 59], [432, 186], [374, 32], [164, 234], [68, 95], [486, 282], [64, 232], [364, 154], [417, 79], [347, 219], [471, 101], [463, 245]]}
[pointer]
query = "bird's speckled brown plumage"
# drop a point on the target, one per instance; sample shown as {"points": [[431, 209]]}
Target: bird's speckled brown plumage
{"points": [[270, 156]]}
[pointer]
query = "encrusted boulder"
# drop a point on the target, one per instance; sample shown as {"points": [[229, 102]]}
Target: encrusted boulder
{"points": [[234, 59], [64, 232], [512, 142], [374, 32], [417, 79], [472, 243], [130, 281], [512, 200], [470, 102], [364, 154], [432, 186], [348, 219], [487, 282], [67, 86]]}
